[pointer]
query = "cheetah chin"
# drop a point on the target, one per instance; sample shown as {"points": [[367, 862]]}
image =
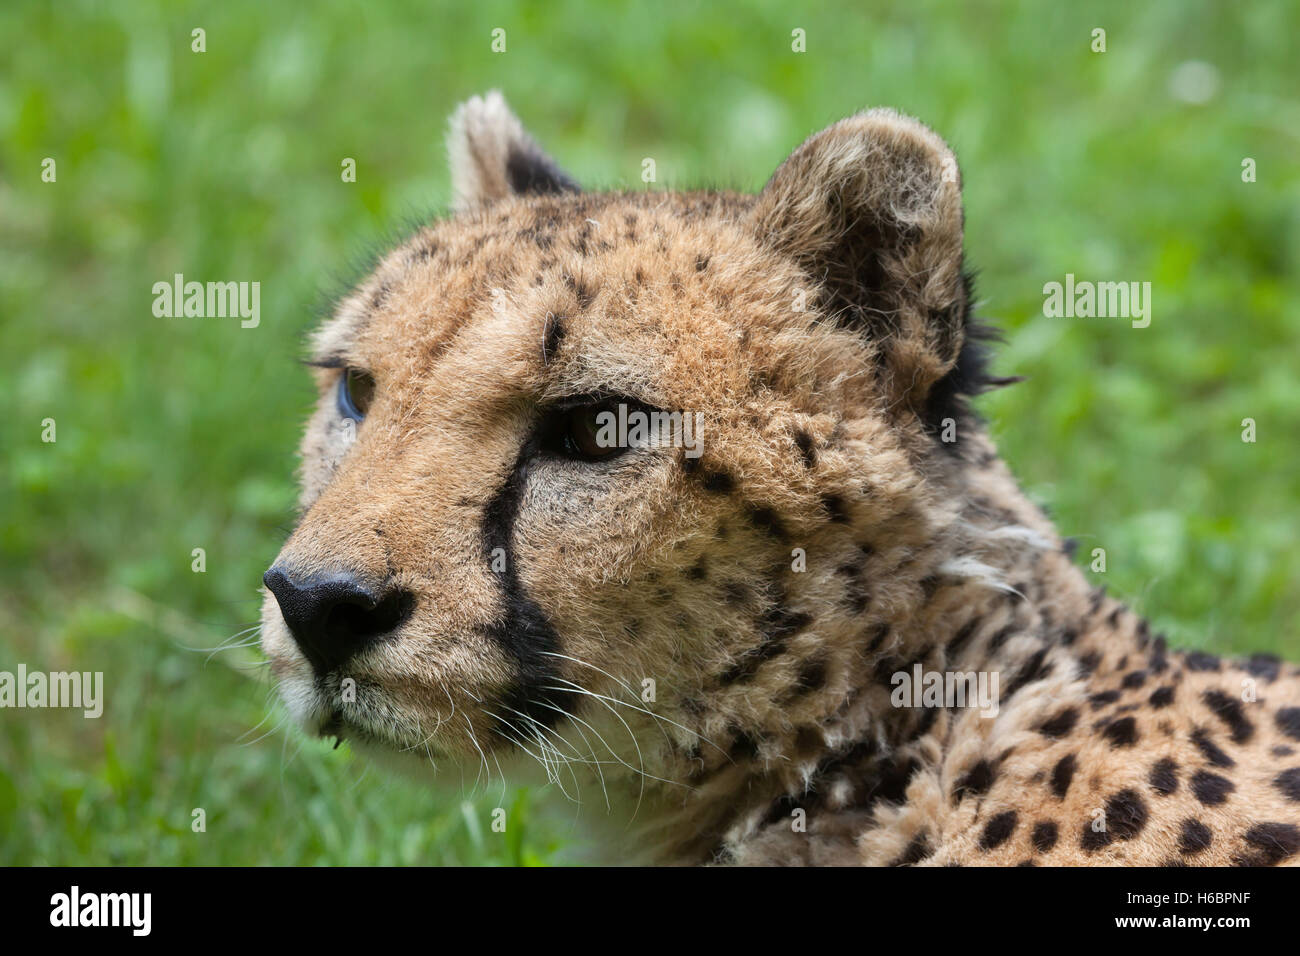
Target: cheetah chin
{"points": [[709, 650]]}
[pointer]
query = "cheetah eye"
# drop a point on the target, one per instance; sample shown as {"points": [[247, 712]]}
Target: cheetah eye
{"points": [[356, 389], [579, 432]]}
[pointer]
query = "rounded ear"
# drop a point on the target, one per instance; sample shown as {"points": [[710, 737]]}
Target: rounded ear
{"points": [[871, 208], [492, 157]]}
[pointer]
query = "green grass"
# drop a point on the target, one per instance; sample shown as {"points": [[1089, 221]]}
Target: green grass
{"points": [[179, 434]]}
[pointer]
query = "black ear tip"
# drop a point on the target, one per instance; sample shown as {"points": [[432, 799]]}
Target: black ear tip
{"points": [[531, 173]]}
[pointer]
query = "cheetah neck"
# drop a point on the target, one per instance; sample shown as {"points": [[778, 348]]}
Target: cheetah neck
{"points": [[995, 596]]}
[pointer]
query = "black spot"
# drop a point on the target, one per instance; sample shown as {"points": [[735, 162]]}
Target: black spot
{"points": [[885, 669], [975, 782], [805, 443], [1044, 836], [812, 675], [737, 593], [1272, 842], [1133, 680], [1093, 839], [878, 635], [1061, 724], [1210, 749], [849, 756], [1210, 788], [1282, 750], [777, 626], [1265, 666], [1162, 697], [1288, 781], [1194, 836], [1164, 777], [701, 263], [998, 830], [1200, 661], [925, 723], [1000, 638], [1062, 774], [782, 808], [1100, 700], [891, 783], [1033, 669], [581, 291], [916, 851], [1288, 721], [1122, 732], [744, 747], [1026, 862], [1126, 814], [765, 519], [719, 482], [699, 570], [809, 741], [552, 336], [1228, 709], [1088, 663], [962, 636], [835, 507]]}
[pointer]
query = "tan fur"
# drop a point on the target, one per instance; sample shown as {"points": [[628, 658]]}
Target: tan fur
{"points": [[771, 685]]}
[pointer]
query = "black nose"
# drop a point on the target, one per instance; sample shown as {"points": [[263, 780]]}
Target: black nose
{"points": [[334, 616]]}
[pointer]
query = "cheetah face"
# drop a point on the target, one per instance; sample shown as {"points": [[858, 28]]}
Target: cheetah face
{"points": [[479, 571]]}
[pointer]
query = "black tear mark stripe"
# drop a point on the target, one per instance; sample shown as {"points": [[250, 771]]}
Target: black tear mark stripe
{"points": [[522, 629]]}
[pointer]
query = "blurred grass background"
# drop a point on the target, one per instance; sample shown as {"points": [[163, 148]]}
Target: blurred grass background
{"points": [[175, 434]]}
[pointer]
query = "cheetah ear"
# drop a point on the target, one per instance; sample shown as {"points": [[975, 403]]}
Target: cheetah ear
{"points": [[492, 157], [871, 208]]}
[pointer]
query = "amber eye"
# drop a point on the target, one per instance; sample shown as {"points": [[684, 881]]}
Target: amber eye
{"points": [[583, 432], [356, 389]]}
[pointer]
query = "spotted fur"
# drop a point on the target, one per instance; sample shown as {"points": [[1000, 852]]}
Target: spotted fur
{"points": [[707, 647]]}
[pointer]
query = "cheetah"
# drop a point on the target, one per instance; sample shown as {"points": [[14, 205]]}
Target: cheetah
{"points": [[707, 648]]}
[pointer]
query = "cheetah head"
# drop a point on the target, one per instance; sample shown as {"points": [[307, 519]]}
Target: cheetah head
{"points": [[482, 568]]}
